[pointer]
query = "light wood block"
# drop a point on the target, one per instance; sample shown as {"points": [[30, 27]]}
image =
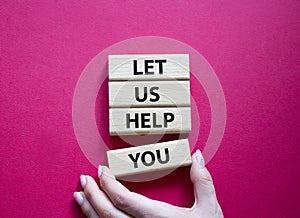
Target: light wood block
{"points": [[149, 94], [149, 158], [132, 121], [149, 67]]}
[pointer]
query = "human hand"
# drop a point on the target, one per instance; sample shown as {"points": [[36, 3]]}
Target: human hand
{"points": [[113, 199]]}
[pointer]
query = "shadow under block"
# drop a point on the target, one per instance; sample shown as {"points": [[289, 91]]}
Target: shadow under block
{"points": [[149, 67], [149, 158], [133, 121], [149, 94]]}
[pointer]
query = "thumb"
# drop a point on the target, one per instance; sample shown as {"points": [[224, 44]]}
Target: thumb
{"points": [[204, 189]]}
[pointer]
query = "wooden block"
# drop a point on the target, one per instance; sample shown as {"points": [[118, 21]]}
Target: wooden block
{"points": [[149, 158], [132, 121], [149, 93], [149, 67]]}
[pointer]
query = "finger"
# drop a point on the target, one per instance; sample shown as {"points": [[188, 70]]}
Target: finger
{"points": [[204, 190], [133, 203], [85, 205], [98, 199], [200, 177]]}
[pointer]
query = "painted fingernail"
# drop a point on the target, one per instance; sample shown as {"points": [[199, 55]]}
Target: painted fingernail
{"points": [[99, 171], [83, 181], [200, 158], [78, 198]]}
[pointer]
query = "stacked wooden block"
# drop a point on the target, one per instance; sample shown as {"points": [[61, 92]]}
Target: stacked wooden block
{"points": [[149, 94]]}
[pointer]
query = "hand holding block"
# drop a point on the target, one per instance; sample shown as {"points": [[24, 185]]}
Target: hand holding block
{"points": [[149, 67], [149, 158]]}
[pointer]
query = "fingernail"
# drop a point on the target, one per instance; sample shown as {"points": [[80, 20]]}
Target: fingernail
{"points": [[78, 198], [99, 171], [200, 158], [83, 181]]}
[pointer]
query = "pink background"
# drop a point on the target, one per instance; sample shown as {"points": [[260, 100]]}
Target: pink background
{"points": [[253, 48]]}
